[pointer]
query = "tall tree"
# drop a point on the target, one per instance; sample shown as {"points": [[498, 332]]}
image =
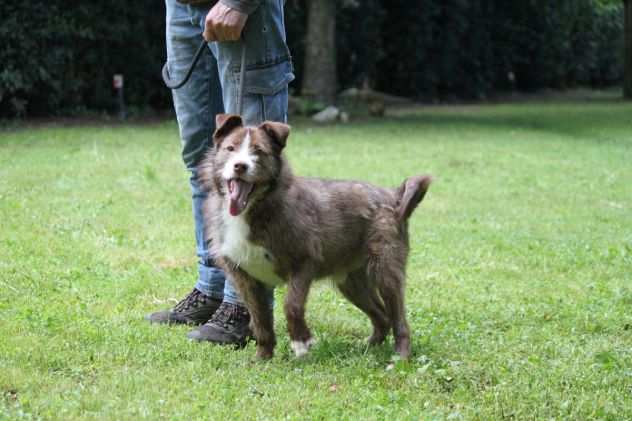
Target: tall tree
{"points": [[627, 70], [319, 78]]}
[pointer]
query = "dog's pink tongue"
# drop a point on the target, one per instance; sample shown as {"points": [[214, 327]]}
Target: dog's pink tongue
{"points": [[239, 191]]}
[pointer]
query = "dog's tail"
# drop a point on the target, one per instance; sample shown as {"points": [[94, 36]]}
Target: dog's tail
{"points": [[410, 194]]}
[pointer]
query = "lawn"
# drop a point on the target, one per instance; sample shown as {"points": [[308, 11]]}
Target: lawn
{"points": [[519, 289]]}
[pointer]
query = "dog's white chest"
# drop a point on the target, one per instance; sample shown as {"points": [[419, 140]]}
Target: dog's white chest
{"points": [[251, 258]]}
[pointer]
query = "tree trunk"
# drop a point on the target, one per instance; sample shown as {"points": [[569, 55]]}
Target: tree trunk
{"points": [[319, 76], [627, 71]]}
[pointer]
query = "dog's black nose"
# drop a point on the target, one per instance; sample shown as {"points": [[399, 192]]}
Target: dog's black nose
{"points": [[240, 168]]}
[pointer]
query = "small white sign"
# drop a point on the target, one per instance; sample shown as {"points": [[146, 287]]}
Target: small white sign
{"points": [[117, 81]]}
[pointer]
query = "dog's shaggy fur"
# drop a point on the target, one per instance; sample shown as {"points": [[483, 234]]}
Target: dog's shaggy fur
{"points": [[266, 226]]}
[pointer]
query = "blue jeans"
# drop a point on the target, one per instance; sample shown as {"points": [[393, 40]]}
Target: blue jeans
{"points": [[213, 89]]}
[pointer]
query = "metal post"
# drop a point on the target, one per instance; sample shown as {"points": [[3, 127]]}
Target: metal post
{"points": [[118, 83]]}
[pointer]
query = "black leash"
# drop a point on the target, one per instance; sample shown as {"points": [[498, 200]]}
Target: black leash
{"points": [[177, 85], [166, 78]]}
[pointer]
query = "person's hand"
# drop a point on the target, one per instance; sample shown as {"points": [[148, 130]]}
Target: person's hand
{"points": [[223, 23]]}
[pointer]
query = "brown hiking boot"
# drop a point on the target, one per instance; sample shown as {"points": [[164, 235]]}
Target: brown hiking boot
{"points": [[195, 309], [228, 326]]}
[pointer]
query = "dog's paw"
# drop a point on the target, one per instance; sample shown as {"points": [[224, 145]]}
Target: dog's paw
{"points": [[301, 348], [264, 353]]}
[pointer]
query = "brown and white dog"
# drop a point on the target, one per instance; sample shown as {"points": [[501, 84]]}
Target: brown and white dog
{"points": [[267, 227]]}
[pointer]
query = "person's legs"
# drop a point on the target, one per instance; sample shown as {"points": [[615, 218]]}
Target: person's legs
{"points": [[268, 72]]}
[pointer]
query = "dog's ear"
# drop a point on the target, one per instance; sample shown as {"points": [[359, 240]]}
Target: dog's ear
{"points": [[278, 132], [224, 124]]}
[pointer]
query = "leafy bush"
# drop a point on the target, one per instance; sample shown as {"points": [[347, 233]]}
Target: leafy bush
{"points": [[446, 48], [59, 56]]}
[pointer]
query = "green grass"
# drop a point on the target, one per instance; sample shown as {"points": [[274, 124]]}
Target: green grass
{"points": [[519, 287]]}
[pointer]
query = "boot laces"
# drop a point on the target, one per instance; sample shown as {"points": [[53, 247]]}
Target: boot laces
{"points": [[195, 299], [228, 314]]}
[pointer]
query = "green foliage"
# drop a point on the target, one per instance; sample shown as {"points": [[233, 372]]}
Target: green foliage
{"points": [[60, 57], [442, 49], [518, 284], [359, 43]]}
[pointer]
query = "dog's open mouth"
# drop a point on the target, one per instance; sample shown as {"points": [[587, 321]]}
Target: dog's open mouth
{"points": [[239, 192]]}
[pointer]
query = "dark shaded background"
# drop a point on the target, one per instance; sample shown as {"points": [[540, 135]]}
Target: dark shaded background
{"points": [[57, 57]]}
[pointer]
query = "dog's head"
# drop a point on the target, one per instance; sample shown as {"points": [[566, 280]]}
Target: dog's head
{"points": [[245, 160]]}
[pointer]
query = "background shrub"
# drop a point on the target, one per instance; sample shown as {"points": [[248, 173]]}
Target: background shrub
{"points": [[58, 57]]}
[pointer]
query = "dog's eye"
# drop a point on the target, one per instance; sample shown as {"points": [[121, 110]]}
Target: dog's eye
{"points": [[256, 149], [230, 148]]}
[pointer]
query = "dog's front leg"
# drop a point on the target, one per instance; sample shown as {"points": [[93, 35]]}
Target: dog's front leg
{"points": [[300, 335], [254, 294]]}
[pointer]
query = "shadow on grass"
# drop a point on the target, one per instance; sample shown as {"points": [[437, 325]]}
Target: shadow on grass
{"points": [[351, 351]]}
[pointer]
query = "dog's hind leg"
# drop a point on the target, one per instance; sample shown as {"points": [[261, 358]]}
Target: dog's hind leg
{"points": [[392, 292], [388, 250], [362, 292], [295, 300]]}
